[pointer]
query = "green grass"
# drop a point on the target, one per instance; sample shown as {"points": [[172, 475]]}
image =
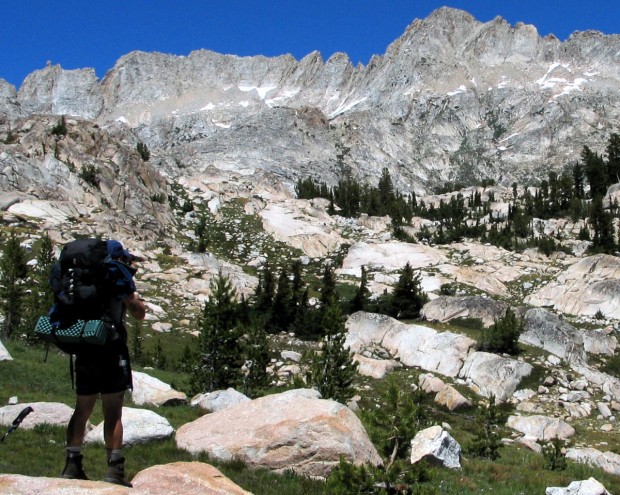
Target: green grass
{"points": [[40, 452]]}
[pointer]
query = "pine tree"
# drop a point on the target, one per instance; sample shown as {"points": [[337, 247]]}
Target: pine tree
{"points": [[613, 159], [407, 297], [603, 240], [487, 442], [220, 348], [13, 269], [332, 369], [39, 299], [256, 360], [362, 296], [503, 336], [283, 310]]}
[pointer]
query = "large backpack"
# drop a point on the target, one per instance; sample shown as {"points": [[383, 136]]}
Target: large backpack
{"points": [[80, 284]]}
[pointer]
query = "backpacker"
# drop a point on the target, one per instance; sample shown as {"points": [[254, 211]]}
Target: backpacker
{"points": [[79, 280]]}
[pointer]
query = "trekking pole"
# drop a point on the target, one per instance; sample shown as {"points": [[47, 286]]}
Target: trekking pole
{"points": [[17, 421]]}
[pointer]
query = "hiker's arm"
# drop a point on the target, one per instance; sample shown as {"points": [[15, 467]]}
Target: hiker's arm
{"points": [[135, 306]]}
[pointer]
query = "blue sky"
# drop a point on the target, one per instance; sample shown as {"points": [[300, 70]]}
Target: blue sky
{"points": [[78, 34]]}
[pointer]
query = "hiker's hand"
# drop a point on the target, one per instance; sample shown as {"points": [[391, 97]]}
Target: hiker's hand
{"points": [[136, 306]]}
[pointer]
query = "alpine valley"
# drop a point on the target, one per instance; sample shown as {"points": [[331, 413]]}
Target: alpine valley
{"points": [[196, 163]]}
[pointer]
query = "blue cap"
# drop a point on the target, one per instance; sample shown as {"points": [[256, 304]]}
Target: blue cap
{"points": [[116, 251]]}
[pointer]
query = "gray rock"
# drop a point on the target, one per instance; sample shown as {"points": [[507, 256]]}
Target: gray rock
{"points": [[547, 331], [139, 426], [607, 461], [51, 413], [436, 446], [586, 487], [540, 427], [149, 390], [446, 308], [219, 400], [413, 345], [493, 375]]}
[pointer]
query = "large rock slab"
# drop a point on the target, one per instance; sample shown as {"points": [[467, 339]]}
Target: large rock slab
{"points": [[280, 432], [584, 288], [413, 345], [493, 375], [185, 478], [547, 331], [139, 426], [4, 354], [446, 308], [607, 461], [52, 413], [538, 427], [303, 226], [179, 478], [436, 446], [389, 257], [585, 487], [148, 390]]}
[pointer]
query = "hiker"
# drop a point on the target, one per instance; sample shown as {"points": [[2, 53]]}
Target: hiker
{"points": [[105, 369]]}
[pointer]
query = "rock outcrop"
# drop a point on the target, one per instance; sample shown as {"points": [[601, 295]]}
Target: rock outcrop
{"points": [[412, 345], [447, 308], [491, 375]]}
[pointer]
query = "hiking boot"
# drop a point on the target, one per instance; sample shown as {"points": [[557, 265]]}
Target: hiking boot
{"points": [[73, 469], [116, 473]]}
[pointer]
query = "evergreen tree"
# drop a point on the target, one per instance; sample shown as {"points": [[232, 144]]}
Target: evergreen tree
{"points": [[487, 442], [257, 359], [13, 269], [332, 369], [613, 159], [362, 296], [603, 240], [407, 297], [328, 287], [595, 172], [283, 310], [578, 180], [503, 336], [265, 291], [220, 349], [40, 298]]}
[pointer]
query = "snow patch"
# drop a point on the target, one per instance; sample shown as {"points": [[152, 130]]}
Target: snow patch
{"points": [[345, 107], [461, 89], [207, 107], [261, 90], [122, 120]]}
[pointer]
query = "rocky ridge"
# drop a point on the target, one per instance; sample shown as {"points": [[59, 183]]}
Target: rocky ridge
{"points": [[451, 99]]}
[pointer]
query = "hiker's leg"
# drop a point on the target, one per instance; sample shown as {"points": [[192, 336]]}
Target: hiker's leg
{"points": [[84, 405], [112, 419]]}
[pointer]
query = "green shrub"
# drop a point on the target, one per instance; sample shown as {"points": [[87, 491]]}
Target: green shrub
{"points": [[90, 175], [144, 152], [60, 129], [503, 336]]}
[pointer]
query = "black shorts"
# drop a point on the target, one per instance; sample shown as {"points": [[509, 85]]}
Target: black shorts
{"points": [[103, 375]]}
